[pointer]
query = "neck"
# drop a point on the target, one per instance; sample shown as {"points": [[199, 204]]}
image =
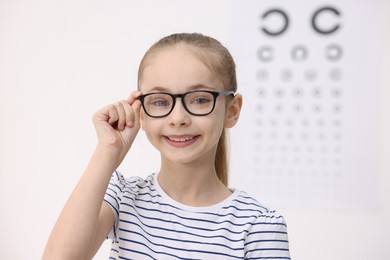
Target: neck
{"points": [[192, 184]]}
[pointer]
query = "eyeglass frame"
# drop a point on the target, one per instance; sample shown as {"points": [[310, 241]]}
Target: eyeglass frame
{"points": [[215, 94]]}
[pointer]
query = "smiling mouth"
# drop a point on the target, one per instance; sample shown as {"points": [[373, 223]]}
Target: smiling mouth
{"points": [[180, 139]]}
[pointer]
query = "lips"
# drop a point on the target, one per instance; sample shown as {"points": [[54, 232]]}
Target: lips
{"points": [[181, 140]]}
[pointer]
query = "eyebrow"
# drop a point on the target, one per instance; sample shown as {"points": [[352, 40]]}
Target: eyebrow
{"points": [[193, 87]]}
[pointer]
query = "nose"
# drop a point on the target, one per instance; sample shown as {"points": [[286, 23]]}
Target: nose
{"points": [[179, 115]]}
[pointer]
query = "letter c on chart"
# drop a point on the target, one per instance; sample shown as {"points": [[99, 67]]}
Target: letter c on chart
{"points": [[282, 14], [317, 27]]}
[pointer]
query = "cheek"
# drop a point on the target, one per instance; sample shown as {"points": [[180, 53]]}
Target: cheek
{"points": [[216, 126], [152, 127], [150, 132], [220, 118], [146, 126]]}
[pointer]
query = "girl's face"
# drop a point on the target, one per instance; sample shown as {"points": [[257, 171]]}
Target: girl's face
{"points": [[181, 137]]}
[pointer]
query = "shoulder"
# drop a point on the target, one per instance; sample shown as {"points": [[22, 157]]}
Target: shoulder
{"points": [[267, 234], [121, 189], [132, 183], [245, 201], [120, 185], [262, 213]]}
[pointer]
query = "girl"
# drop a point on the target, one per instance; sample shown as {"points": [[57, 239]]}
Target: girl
{"points": [[186, 99]]}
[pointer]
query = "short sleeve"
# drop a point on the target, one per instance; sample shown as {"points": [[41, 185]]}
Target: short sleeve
{"points": [[267, 238], [113, 198]]}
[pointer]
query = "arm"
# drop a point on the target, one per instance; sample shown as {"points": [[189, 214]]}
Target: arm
{"points": [[85, 220]]}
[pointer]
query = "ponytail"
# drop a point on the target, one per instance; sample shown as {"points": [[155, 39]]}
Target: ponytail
{"points": [[221, 159]]}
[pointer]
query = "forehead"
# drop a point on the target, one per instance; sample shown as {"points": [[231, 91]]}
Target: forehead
{"points": [[177, 69]]}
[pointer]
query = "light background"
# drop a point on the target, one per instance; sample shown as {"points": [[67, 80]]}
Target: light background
{"points": [[60, 61]]}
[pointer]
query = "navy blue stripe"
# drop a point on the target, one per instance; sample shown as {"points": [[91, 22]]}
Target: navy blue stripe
{"points": [[151, 195], [266, 240], [242, 209], [134, 251], [267, 249], [145, 187], [251, 204], [115, 186], [228, 214], [135, 192], [152, 202], [180, 224], [269, 223], [247, 197], [112, 206], [181, 232], [271, 257], [179, 240], [133, 183], [192, 219], [114, 198], [179, 249], [267, 232], [139, 243]]}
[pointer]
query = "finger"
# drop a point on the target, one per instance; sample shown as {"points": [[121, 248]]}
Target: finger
{"points": [[122, 115], [113, 115], [136, 107], [132, 113], [129, 113], [133, 96]]}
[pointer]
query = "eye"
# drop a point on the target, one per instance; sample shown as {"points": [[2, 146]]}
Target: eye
{"points": [[200, 98], [159, 100]]}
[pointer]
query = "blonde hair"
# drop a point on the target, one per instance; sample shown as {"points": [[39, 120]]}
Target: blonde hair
{"points": [[219, 60]]}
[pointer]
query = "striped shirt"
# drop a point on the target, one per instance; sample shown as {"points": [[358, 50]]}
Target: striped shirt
{"points": [[151, 225]]}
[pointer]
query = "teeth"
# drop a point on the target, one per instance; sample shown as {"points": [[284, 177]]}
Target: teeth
{"points": [[181, 139]]}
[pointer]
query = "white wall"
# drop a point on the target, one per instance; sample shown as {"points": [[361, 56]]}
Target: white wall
{"points": [[60, 61]]}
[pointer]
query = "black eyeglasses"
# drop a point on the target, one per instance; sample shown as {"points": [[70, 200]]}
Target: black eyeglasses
{"points": [[197, 102]]}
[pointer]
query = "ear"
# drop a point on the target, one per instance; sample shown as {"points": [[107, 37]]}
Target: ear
{"points": [[233, 111]]}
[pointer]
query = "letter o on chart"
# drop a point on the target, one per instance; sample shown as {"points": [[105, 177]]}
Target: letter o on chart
{"points": [[265, 54], [299, 53], [334, 52]]}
